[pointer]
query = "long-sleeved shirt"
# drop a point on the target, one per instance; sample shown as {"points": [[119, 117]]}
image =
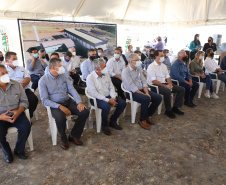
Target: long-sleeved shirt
{"points": [[114, 67], [127, 54], [54, 91], [193, 46], [19, 74], [13, 98], [70, 65], [37, 69], [179, 71], [159, 46], [147, 62], [86, 68], [195, 67], [157, 72], [167, 62], [66, 71], [76, 61], [133, 80], [207, 46], [100, 87], [223, 63], [210, 65]]}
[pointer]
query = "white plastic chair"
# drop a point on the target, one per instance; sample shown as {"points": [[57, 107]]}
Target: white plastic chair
{"points": [[53, 127], [201, 84], [134, 105], [12, 130], [157, 91], [215, 79]]}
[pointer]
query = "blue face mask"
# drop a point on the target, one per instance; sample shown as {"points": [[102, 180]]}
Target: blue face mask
{"points": [[66, 60], [35, 55]]}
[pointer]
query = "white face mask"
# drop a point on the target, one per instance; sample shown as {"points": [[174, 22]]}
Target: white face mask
{"points": [[99, 54], [61, 70], [15, 63], [74, 53], [167, 54], [201, 57], [116, 56], [5, 78], [138, 64], [161, 59], [104, 71]]}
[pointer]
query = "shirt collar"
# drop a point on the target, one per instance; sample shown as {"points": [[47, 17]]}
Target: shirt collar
{"points": [[155, 63], [131, 69], [96, 75], [49, 74], [8, 67]]}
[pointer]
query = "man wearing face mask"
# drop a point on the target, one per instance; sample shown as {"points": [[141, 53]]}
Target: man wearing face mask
{"points": [[149, 59], [2, 58], [76, 59], [158, 75], [54, 88], [43, 56], [99, 86], [115, 67], [122, 56], [100, 54], [160, 45], [211, 66], [19, 74], [179, 71], [166, 59], [130, 50], [13, 102], [134, 81], [87, 65], [36, 67]]}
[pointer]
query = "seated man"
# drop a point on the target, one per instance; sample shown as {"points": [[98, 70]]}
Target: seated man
{"points": [[122, 56], [36, 67], [157, 75], [45, 57], [223, 63], [54, 88], [19, 74], [2, 58], [211, 66], [13, 102], [115, 66], [149, 59], [166, 59], [100, 87], [100, 53], [87, 65], [134, 81], [179, 71], [130, 50]]}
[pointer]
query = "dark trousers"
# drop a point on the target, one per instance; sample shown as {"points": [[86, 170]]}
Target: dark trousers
{"points": [[145, 100], [189, 91], [23, 125], [222, 77], [76, 78], [35, 79], [180, 91], [60, 119], [208, 82], [117, 83], [33, 101], [105, 107]]}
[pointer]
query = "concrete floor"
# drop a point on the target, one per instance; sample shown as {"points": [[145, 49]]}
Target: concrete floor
{"points": [[188, 150]]}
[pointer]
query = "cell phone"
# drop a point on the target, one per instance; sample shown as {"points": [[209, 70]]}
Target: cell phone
{"points": [[10, 114]]}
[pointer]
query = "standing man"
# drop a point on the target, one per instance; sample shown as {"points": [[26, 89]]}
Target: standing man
{"points": [[13, 102], [36, 67], [115, 67], [100, 53], [179, 71], [158, 75], [160, 45], [54, 88], [130, 50], [19, 74]]}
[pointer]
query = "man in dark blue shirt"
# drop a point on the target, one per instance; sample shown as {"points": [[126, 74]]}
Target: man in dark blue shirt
{"points": [[223, 63]]}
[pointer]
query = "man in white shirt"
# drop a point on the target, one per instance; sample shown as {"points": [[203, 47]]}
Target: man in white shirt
{"points": [[115, 66], [130, 50], [100, 54], [211, 66], [158, 75], [76, 59], [43, 55], [122, 56], [100, 87]]}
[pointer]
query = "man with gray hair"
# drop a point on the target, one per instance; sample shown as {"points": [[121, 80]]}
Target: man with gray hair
{"points": [[133, 80], [54, 88], [179, 71], [99, 86]]}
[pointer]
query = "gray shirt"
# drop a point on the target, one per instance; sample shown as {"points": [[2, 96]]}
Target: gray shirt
{"points": [[37, 69], [13, 98], [133, 80]]}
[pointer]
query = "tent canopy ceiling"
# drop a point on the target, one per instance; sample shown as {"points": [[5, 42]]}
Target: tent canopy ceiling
{"points": [[152, 11]]}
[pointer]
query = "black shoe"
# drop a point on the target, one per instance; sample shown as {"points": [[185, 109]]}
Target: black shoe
{"points": [[170, 114], [194, 105], [106, 131], [8, 158], [21, 155], [115, 125], [177, 111], [189, 105]]}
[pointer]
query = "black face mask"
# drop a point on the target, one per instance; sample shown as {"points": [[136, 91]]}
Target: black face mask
{"points": [[152, 55], [159, 39], [43, 57], [185, 59], [1, 58], [92, 57], [212, 54], [209, 40]]}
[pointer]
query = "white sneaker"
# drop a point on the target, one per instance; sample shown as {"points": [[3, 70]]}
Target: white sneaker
{"points": [[207, 94], [214, 96]]}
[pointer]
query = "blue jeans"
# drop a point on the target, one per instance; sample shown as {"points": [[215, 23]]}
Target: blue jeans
{"points": [[209, 83], [144, 100], [35, 79], [23, 125], [105, 107], [189, 91]]}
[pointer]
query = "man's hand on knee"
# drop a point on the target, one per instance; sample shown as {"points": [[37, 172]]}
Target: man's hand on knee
{"points": [[65, 110], [81, 107]]}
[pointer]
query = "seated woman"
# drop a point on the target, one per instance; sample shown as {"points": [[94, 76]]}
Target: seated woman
{"points": [[196, 68]]}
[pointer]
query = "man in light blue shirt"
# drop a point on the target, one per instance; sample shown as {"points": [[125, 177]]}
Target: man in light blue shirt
{"points": [[19, 74], [166, 59], [133, 80], [36, 67], [54, 88], [160, 45], [87, 65]]}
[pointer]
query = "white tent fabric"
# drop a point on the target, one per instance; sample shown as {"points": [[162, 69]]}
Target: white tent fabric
{"points": [[118, 11]]}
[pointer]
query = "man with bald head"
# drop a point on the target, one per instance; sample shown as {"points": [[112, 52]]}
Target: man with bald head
{"points": [[160, 45]]}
